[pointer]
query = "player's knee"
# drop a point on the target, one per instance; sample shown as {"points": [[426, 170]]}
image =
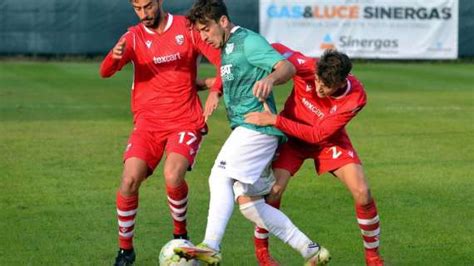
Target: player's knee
{"points": [[173, 178], [362, 195], [249, 210], [130, 184]]}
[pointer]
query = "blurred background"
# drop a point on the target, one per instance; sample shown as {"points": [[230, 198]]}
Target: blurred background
{"points": [[91, 27]]}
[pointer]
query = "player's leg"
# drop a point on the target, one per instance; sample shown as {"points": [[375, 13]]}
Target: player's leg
{"points": [[352, 175], [343, 161], [261, 235], [181, 149], [235, 161], [175, 168], [139, 162], [232, 161], [221, 205], [290, 156], [134, 173], [276, 222]]}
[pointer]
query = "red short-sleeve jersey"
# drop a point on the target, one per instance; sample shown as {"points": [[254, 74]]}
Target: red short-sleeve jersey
{"points": [[164, 94]]}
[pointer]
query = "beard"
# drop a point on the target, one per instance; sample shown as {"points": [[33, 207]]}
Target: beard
{"points": [[153, 22]]}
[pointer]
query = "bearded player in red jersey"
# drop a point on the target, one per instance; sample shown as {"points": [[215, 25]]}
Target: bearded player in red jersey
{"points": [[167, 113], [324, 99]]}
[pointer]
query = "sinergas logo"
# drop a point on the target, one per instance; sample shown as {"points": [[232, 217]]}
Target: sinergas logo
{"points": [[422, 13], [375, 44], [357, 11]]}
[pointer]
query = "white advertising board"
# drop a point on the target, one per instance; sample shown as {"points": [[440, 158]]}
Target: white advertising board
{"points": [[388, 29]]}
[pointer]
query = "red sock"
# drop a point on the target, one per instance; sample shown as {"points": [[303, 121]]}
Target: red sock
{"points": [[368, 220], [178, 203], [261, 235], [126, 211]]}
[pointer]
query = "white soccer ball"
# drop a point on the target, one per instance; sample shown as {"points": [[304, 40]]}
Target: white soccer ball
{"points": [[168, 258]]}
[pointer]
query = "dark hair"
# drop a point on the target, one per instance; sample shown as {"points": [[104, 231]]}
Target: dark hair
{"points": [[203, 11], [333, 67]]}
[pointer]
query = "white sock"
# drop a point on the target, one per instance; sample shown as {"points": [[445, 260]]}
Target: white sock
{"points": [[277, 223], [221, 205]]}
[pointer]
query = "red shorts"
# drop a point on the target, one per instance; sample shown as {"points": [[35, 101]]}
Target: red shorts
{"points": [[291, 155], [150, 145]]}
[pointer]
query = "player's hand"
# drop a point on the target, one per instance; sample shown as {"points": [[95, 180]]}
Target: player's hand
{"points": [[263, 88], [265, 118], [119, 49], [211, 105], [279, 187]]}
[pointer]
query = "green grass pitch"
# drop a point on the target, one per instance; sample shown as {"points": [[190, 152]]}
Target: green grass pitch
{"points": [[63, 130]]}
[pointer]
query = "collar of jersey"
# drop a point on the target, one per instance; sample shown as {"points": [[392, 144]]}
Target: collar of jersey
{"points": [[234, 29], [167, 27], [348, 88]]}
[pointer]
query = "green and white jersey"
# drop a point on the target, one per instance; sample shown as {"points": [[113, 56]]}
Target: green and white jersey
{"points": [[246, 58]]}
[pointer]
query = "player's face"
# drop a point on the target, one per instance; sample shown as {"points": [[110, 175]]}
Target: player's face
{"points": [[323, 90], [212, 32], [148, 11]]}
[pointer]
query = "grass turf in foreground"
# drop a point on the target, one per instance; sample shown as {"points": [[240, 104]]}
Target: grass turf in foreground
{"points": [[63, 130]]}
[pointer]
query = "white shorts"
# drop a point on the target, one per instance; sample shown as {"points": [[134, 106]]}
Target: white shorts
{"points": [[260, 188], [245, 155]]}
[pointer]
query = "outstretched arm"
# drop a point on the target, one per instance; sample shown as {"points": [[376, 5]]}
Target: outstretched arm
{"points": [[317, 133], [314, 134]]}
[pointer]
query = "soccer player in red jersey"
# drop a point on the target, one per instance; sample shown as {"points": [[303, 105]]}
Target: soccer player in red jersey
{"points": [[167, 112], [324, 99]]}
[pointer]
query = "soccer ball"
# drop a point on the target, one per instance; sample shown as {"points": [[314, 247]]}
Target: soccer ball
{"points": [[168, 258]]}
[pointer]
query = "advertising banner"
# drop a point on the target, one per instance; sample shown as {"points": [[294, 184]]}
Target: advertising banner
{"points": [[387, 29]]}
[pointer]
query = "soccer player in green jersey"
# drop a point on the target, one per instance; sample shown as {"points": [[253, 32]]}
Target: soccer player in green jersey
{"points": [[250, 68]]}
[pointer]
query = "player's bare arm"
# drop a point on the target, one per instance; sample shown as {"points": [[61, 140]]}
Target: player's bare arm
{"points": [[265, 118], [212, 102], [283, 71]]}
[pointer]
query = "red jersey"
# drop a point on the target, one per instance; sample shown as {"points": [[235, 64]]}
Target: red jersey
{"points": [[164, 94], [310, 118]]}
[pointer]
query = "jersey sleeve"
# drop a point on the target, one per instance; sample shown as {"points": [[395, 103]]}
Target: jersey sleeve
{"points": [[304, 65], [260, 53], [109, 65], [212, 54], [320, 131]]}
